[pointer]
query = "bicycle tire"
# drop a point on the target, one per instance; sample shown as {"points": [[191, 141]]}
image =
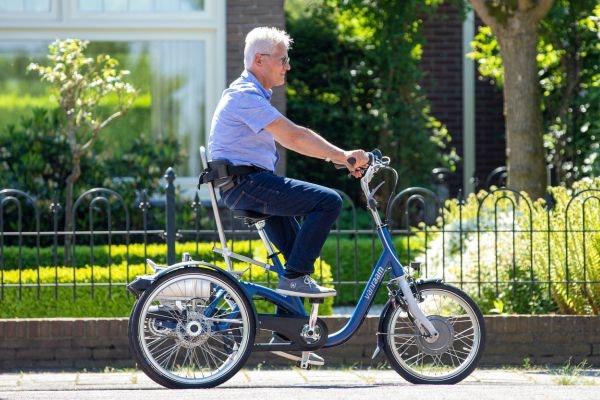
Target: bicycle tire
{"points": [[193, 328], [456, 352]]}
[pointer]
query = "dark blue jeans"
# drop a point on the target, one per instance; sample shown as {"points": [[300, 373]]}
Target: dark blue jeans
{"points": [[284, 199]]}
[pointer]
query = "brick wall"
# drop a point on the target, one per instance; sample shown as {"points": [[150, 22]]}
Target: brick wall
{"points": [[442, 65], [242, 17], [97, 343]]}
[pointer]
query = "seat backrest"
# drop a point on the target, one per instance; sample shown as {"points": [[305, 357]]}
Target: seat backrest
{"points": [[215, 207]]}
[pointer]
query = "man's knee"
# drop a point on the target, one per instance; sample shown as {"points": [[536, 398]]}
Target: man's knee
{"points": [[335, 201]]}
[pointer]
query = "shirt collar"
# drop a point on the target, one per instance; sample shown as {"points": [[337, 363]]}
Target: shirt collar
{"points": [[249, 76]]}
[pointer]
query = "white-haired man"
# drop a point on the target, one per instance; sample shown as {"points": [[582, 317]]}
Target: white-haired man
{"points": [[244, 130]]}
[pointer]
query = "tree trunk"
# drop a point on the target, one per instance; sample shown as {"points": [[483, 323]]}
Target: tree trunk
{"points": [[69, 218], [525, 154], [517, 36]]}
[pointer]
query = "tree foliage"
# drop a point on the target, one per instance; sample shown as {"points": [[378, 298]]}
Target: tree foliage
{"points": [[35, 157], [568, 64], [354, 78], [82, 83]]}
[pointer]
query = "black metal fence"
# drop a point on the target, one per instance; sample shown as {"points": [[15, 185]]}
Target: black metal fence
{"points": [[511, 253]]}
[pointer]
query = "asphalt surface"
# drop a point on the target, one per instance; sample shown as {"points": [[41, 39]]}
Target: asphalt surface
{"points": [[293, 383]]}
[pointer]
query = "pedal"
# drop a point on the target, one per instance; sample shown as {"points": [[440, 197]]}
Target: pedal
{"points": [[304, 361]]}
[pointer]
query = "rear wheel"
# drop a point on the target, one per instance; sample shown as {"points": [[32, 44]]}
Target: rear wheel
{"points": [[193, 328], [457, 350]]}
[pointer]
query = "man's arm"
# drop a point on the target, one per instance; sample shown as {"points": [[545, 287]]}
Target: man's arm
{"points": [[305, 141]]}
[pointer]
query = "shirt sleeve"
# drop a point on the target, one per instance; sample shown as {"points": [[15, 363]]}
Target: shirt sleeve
{"points": [[255, 111]]}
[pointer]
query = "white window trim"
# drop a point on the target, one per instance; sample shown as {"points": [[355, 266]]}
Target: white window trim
{"points": [[65, 13]]}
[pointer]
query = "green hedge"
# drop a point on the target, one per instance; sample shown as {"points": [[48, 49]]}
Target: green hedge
{"points": [[10, 255], [341, 256], [337, 258], [29, 298]]}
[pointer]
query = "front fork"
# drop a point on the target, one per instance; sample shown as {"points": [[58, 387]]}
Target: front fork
{"points": [[409, 301]]}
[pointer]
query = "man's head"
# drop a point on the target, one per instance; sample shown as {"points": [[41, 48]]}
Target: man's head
{"points": [[266, 55]]}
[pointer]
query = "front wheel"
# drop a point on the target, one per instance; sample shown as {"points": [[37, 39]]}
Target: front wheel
{"points": [[193, 328], [453, 355]]}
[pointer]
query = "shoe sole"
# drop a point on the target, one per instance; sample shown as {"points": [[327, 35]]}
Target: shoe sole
{"points": [[300, 294]]}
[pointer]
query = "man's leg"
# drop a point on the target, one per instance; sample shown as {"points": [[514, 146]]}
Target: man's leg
{"points": [[284, 197], [282, 231], [320, 207]]}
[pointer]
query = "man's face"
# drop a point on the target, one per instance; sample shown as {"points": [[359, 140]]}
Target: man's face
{"points": [[277, 65]]}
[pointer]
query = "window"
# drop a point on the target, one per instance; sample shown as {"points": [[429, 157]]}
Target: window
{"points": [[174, 65], [25, 6], [139, 5]]}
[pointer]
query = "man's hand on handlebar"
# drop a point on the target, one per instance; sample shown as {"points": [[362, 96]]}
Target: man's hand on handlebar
{"points": [[355, 160]]}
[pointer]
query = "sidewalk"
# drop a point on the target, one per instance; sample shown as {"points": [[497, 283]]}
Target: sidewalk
{"points": [[136, 380]]}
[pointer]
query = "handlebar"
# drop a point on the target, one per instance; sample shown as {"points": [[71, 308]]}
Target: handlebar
{"points": [[374, 156], [376, 162]]}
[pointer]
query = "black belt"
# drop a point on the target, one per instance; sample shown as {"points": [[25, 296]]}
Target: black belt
{"points": [[240, 170], [224, 175]]}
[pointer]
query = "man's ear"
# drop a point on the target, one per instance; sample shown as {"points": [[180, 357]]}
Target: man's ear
{"points": [[258, 59]]}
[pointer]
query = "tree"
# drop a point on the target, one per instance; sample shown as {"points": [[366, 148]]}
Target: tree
{"points": [[569, 77], [515, 24], [82, 84], [356, 80]]}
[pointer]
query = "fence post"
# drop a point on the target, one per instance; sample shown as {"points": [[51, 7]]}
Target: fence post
{"points": [[170, 215]]}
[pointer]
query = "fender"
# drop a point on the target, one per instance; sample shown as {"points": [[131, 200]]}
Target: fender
{"points": [[143, 282]]}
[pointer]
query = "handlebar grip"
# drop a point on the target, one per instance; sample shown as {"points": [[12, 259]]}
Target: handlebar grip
{"points": [[373, 156]]}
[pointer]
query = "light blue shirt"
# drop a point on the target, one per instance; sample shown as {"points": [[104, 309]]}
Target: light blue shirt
{"points": [[237, 131]]}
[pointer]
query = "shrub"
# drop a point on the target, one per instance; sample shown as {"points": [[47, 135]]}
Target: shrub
{"points": [[572, 254], [350, 267], [519, 256], [485, 249], [59, 291]]}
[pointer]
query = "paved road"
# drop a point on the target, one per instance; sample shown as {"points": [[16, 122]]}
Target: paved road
{"points": [[347, 384]]}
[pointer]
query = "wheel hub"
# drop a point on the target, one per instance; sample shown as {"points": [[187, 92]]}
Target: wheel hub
{"points": [[193, 333], [443, 341], [311, 336]]}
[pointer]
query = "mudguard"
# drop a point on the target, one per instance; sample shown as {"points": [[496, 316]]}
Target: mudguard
{"points": [[143, 282]]}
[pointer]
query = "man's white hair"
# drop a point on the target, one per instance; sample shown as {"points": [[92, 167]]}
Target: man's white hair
{"points": [[263, 40]]}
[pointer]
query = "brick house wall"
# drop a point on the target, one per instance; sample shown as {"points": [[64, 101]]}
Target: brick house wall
{"points": [[242, 16], [442, 65]]}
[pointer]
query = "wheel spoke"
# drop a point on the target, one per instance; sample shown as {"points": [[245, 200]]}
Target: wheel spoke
{"points": [[448, 358], [192, 336]]}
